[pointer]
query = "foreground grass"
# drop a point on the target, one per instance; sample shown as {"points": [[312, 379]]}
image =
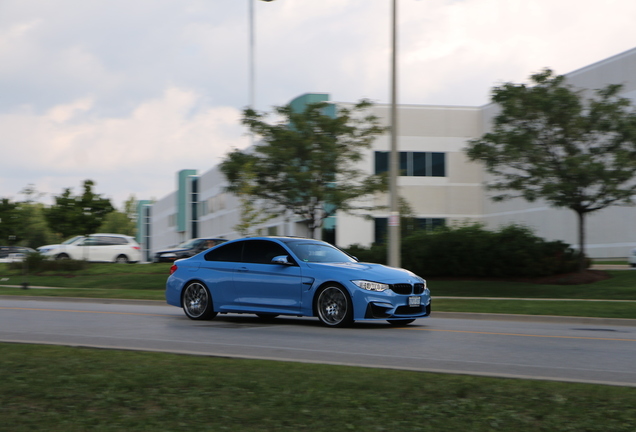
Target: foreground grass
{"points": [[96, 275], [73, 389]]}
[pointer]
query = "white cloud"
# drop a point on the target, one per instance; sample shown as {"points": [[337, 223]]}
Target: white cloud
{"points": [[128, 93], [160, 137]]}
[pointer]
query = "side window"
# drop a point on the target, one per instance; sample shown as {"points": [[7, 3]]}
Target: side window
{"points": [[262, 251], [89, 241], [228, 252], [107, 241]]}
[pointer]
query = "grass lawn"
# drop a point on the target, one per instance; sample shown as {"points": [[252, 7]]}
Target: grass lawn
{"points": [[75, 389], [147, 282]]}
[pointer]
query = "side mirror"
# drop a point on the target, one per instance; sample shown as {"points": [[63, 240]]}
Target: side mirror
{"points": [[282, 260]]}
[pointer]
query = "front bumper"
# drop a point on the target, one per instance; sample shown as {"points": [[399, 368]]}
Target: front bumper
{"points": [[381, 310]]}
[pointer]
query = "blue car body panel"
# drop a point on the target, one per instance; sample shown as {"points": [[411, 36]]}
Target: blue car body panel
{"points": [[246, 287]]}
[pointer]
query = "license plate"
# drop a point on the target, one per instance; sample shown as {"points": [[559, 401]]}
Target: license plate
{"points": [[415, 301]]}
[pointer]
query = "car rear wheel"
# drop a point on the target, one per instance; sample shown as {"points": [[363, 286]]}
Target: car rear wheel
{"points": [[121, 259], [334, 307], [400, 322], [197, 302]]}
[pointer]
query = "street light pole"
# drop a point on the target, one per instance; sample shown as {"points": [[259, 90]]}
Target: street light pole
{"points": [[394, 216], [251, 59], [252, 74]]}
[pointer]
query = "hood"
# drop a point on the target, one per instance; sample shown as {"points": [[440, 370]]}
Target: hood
{"points": [[371, 271]]}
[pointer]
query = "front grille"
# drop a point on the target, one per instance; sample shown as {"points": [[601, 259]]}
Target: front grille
{"points": [[418, 288], [408, 310], [402, 288]]}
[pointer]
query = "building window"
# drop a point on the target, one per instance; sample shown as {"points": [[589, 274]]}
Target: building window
{"points": [[329, 230], [194, 207], [408, 225], [414, 164]]}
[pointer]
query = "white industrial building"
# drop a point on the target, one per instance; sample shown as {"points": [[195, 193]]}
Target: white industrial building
{"points": [[441, 185]]}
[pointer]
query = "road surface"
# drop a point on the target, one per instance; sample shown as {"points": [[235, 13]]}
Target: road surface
{"points": [[578, 351]]}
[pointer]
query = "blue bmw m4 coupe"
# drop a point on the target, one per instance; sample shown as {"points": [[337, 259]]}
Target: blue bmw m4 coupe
{"points": [[271, 276]]}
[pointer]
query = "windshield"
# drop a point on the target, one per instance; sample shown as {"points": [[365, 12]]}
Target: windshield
{"points": [[71, 240], [188, 244], [319, 252]]}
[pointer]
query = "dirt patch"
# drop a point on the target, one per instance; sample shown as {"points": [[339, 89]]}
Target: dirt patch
{"points": [[586, 277]]}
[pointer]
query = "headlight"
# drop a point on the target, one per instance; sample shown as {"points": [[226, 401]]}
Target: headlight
{"points": [[371, 286], [168, 255]]}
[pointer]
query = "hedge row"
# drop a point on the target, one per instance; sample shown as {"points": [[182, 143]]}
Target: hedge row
{"points": [[513, 251], [35, 262]]}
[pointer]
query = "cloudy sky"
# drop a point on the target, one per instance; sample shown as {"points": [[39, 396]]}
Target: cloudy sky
{"points": [[128, 92]]}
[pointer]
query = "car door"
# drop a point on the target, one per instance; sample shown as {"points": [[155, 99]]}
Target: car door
{"points": [[217, 272], [101, 248], [263, 285]]}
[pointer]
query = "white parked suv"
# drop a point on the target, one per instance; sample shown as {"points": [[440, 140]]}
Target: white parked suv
{"points": [[96, 247], [632, 258]]}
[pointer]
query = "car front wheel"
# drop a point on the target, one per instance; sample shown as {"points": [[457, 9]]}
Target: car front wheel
{"points": [[334, 307], [197, 302]]}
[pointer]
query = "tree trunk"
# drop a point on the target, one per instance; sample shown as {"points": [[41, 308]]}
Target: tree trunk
{"points": [[581, 222]]}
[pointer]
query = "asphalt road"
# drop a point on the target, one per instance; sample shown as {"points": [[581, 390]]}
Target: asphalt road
{"points": [[566, 350]]}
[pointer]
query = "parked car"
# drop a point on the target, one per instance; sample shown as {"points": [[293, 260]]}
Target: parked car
{"points": [[14, 253], [187, 249], [632, 258], [97, 248], [271, 276]]}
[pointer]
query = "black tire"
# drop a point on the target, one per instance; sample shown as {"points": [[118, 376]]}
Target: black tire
{"points": [[334, 307], [122, 259], [62, 256], [197, 302], [267, 316], [400, 322]]}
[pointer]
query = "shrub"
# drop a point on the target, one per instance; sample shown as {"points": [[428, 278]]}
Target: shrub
{"points": [[377, 253], [512, 251], [36, 262]]}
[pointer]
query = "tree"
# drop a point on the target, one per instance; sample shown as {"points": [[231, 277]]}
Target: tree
{"points": [[9, 221], [550, 141], [251, 215], [81, 214], [306, 164], [122, 222], [22, 223]]}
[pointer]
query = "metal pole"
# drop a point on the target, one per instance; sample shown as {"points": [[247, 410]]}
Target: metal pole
{"points": [[251, 55], [394, 216]]}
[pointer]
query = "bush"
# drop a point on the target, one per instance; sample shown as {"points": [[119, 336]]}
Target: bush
{"points": [[513, 251], [376, 253], [37, 262]]}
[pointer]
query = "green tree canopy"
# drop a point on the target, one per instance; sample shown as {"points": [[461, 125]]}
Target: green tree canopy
{"points": [[550, 141], [78, 214], [9, 221], [306, 163], [22, 223], [122, 222]]}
